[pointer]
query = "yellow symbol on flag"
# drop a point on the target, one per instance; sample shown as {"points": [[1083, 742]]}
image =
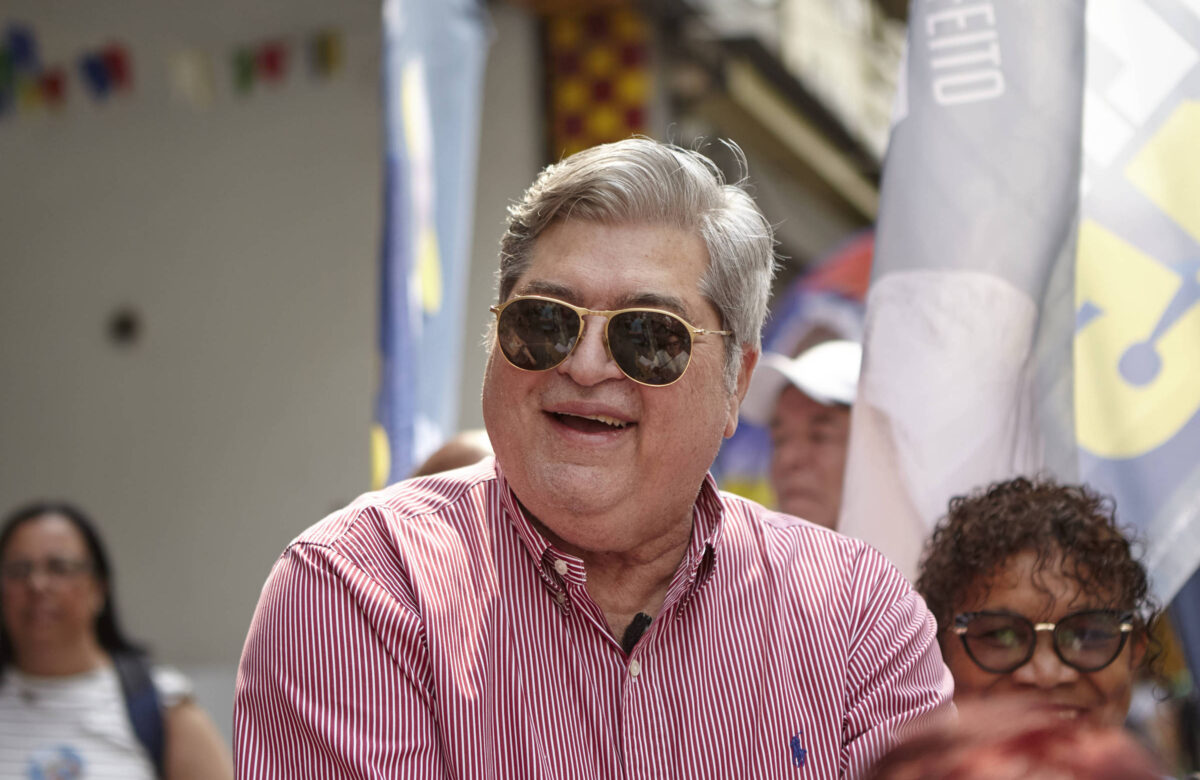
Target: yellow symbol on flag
{"points": [[1167, 170], [29, 94], [418, 135], [381, 457], [1137, 377], [430, 266]]}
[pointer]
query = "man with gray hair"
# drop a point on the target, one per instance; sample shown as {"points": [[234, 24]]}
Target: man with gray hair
{"points": [[588, 604]]}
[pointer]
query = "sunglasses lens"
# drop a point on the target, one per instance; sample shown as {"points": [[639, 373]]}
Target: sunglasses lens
{"points": [[537, 335], [650, 347], [1090, 640], [998, 643]]}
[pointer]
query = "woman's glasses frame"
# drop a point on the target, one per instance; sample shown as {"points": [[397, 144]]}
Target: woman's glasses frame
{"points": [[691, 330], [57, 569], [1123, 620]]}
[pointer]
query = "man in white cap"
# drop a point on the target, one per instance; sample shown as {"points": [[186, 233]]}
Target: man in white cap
{"points": [[805, 403]]}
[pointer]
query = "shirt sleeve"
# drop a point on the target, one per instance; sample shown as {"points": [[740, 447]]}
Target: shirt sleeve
{"points": [[334, 679], [895, 674], [172, 685]]}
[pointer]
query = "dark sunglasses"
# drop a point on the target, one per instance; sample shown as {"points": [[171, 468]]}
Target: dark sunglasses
{"points": [[650, 346], [1002, 642]]}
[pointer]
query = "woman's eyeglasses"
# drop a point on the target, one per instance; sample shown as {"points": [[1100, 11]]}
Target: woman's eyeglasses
{"points": [[1002, 642], [52, 568], [650, 346]]}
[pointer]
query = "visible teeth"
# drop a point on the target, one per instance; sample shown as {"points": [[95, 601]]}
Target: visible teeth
{"points": [[606, 420]]}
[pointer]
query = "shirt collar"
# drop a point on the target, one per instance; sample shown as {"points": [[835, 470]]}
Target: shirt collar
{"points": [[707, 515], [545, 556]]}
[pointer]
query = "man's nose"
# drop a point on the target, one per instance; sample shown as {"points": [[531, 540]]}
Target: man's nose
{"points": [[1045, 669], [589, 363]]}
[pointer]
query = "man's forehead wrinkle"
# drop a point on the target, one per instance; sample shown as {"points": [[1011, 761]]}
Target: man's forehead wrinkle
{"points": [[657, 300], [547, 288], [639, 299]]}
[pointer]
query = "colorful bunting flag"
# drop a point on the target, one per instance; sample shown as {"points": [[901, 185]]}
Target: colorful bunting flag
{"points": [[106, 71], [325, 53]]}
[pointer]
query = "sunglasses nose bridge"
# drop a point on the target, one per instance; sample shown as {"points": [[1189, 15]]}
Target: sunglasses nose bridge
{"points": [[599, 328], [588, 362], [604, 336]]}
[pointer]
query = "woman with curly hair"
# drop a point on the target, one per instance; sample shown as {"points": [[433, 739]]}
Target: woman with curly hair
{"points": [[1038, 596]]}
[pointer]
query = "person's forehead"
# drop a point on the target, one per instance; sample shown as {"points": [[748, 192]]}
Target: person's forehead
{"points": [[614, 266], [49, 533], [572, 293], [1032, 586]]}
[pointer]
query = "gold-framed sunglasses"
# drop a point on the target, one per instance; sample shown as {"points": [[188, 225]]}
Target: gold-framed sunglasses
{"points": [[651, 346]]}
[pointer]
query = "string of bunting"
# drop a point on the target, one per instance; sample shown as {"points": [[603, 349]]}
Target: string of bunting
{"points": [[24, 83], [27, 84], [268, 61]]}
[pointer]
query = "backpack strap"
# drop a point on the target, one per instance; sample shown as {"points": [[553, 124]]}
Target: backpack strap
{"points": [[142, 704]]}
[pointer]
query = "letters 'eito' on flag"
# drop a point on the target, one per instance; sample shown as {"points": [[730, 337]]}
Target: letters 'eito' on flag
{"points": [[1035, 297], [433, 58]]}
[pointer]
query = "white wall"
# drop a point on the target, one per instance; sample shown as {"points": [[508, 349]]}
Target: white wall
{"points": [[247, 237], [511, 152]]}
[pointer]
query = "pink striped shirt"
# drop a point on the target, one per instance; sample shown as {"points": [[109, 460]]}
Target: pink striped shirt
{"points": [[430, 631]]}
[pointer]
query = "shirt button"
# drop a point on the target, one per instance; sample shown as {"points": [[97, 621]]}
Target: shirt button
{"points": [[635, 668], [560, 566]]}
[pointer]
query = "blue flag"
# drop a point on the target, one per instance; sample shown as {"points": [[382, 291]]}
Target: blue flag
{"points": [[433, 58], [1137, 344]]}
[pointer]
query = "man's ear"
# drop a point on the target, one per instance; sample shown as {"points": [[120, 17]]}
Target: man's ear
{"points": [[750, 357]]}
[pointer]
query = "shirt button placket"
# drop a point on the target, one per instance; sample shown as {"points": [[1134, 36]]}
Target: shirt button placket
{"points": [[560, 596], [634, 723]]}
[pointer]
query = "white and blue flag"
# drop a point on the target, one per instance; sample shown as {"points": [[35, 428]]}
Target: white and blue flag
{"points": [[433, 61], [1035, 297]]}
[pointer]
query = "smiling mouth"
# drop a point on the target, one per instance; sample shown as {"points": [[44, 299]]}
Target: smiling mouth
{"points": [[1063, 711], [591, 423]]}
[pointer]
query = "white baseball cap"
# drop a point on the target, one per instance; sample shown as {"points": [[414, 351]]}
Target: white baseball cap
{"points": [[826, 372]]}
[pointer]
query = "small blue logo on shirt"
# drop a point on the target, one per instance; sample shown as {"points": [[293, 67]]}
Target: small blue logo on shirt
{"points": [[60, 762], [799, 754]]}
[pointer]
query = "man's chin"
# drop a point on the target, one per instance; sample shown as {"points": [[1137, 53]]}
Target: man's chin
{"points": [[573, 490]]}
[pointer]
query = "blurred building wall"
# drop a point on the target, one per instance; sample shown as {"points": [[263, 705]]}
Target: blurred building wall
{"points": [[236, 240]]}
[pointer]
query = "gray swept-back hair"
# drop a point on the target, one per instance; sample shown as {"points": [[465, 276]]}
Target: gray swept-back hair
{"points": [[644, 181]]}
